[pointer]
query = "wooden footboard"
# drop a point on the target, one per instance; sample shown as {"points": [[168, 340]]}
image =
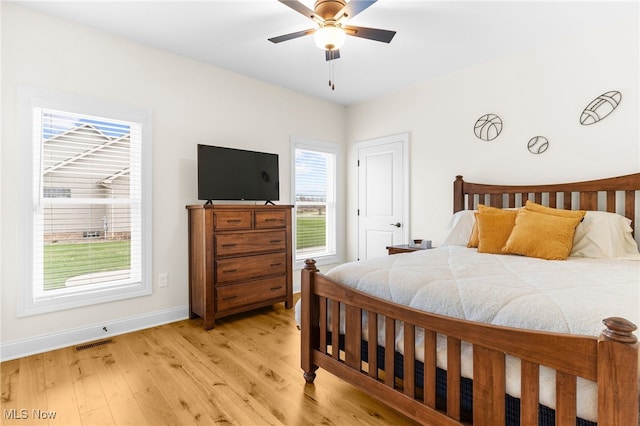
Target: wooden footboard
{"points": [[610, 360]]}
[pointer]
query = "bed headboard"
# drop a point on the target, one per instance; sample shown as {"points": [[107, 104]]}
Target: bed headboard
{"points": [[617, 195]]}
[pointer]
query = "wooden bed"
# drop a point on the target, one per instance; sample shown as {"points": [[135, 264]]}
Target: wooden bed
{"points": [[610, 360]]}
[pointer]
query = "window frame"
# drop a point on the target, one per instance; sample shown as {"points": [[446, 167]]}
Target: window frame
{"points": [[29, 302], [336, 150]]}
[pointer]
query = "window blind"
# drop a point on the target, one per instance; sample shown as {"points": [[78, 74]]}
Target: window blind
{"points": [[315, 203], [87, 202]]}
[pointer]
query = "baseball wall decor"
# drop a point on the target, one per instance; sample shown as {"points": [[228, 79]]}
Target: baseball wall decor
{"points": [[488, 127], [600, 107], [538, 145]]}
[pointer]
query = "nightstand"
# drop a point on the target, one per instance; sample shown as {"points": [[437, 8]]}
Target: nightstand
{"points": [[404, 248]]}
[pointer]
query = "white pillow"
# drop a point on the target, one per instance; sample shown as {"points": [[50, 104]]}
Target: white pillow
{"points": [[460, 228], [604, 235]]}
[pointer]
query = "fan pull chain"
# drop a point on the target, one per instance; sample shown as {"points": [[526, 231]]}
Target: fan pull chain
{"points": [[331, 76]]}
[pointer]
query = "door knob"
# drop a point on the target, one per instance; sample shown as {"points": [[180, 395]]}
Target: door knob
{"points": [[397, 225]]}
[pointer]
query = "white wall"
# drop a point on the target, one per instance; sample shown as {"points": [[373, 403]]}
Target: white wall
{"points": [[537, 92], [191, 103]]}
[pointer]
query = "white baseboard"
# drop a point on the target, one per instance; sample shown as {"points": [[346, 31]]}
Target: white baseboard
{"points": [[48, 342]]}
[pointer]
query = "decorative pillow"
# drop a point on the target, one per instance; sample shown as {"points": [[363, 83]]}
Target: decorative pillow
{"points": [[474, 238], [605, 235], [460, 228], [538, 208], [540, 235], [494, 228]]}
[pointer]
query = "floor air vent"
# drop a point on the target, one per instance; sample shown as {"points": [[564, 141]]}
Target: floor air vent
{"points": [[93, 344]]}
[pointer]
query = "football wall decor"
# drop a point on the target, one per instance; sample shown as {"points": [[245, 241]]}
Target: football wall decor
{"points": [[488, 127], [600, 107]]}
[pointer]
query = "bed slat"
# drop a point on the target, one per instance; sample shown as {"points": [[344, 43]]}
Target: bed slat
{"points": [[611, 201], [335, 328], [372, 325], [409, 360], [565, 399], [589, 200], [453, 378], [496, 200], [488, 386], [630, 204], [323, 323], [530, 392], [429, 386], [537, 197], [389, 351], [353, 347]]}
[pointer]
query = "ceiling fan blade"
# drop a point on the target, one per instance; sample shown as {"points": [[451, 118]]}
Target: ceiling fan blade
{"points": [[353, 8], [302, 9], [330, 55], [291, 36], [376, 34]]}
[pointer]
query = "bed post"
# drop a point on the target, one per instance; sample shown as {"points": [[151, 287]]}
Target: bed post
{"points": [[309, 336], [618, 373], [458, 194]]}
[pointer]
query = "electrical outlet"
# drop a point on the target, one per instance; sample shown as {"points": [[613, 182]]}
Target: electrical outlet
{"points": [[163, 280]]}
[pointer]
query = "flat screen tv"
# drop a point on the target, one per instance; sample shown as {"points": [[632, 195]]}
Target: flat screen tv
{"points": [[237, 174]]}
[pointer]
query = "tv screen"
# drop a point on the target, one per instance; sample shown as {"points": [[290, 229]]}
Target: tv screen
{"points": [[237, 174]]}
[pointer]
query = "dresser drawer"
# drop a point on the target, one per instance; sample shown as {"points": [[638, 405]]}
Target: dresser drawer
{"points": [[235, 295], [250, 242], [248, 267], [230, 220], [266, 219]]}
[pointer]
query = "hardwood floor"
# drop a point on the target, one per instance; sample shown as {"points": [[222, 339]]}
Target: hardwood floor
{"points": [[244, 372]]}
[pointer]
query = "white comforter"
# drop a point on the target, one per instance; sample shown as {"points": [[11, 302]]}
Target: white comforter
{"points": [[571, 296]]}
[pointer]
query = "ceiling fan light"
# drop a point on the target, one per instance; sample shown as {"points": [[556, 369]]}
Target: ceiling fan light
{"points": [[329, 37]]}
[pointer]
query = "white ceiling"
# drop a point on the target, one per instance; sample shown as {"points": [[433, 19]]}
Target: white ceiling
{"points": [[433, 37]]}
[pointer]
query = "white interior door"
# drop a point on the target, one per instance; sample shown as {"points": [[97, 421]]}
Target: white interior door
{"points": [[382, 194]]}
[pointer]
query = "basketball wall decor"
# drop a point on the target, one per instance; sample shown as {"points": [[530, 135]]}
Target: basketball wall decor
{"points": [[488, 127], [538, 145], [600, 107]]}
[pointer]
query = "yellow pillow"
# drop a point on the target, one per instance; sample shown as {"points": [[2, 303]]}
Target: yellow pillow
{"points": [[494, 229], [542, 235], [473, 239], [538, 208]]}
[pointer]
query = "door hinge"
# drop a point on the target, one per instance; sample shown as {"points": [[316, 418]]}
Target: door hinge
{"points": [[358, 212], [358, 163]]}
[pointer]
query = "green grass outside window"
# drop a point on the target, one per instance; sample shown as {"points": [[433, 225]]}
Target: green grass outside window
{"points": [[310, 231], [66, 260]]}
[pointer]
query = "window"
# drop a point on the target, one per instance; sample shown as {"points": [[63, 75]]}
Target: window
{"points": [[315, 195], [89, 207]]}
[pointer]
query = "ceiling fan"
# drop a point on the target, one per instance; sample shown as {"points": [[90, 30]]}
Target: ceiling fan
{"points": [[330, 16]]}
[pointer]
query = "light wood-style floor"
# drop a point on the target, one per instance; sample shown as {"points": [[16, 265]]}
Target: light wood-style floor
{"points": [[244, 372]]}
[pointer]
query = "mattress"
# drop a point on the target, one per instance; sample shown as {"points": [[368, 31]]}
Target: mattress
{"points": [[568, 296]]}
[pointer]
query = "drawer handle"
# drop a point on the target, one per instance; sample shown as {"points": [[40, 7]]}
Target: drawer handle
{"points": [[233, 220], [229, 245], [227, 271], [276, 288], [274, 241], [276, 264], [273, 220], [229, 297]]}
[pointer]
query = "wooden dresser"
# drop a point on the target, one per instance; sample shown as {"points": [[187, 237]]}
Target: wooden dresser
{"points": [[240, 258]]}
